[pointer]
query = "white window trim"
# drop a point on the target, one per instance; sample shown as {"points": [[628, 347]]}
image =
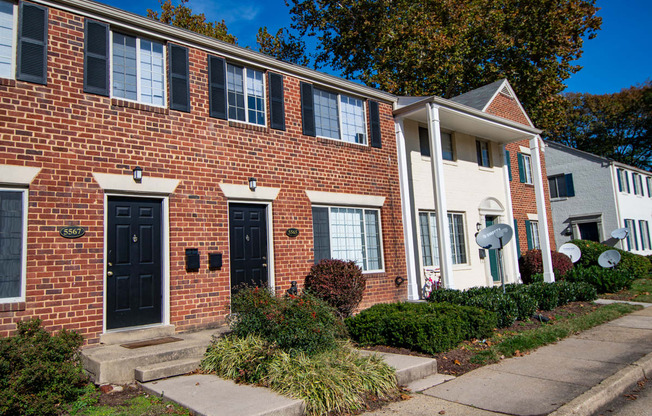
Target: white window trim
{"points": [[490, 165], [14, 41], [246, 102], [23, 254], [339, 119], [466, 246], [527, 166], [139, 71], [536, 240], [380, 233]]}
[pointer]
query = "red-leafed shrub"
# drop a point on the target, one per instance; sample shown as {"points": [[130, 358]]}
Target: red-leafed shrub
{"points": [[531, 263], [340, 283]]}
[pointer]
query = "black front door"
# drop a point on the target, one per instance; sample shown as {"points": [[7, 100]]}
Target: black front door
{"points": [[248, 245], [133, 282]]}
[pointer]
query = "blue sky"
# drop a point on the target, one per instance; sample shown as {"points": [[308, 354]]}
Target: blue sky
{"points": [[619, 57]]}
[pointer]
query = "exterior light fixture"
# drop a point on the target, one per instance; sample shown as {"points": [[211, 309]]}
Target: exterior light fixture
{"points": [[138, 174], [478, 226], [252, 184]]}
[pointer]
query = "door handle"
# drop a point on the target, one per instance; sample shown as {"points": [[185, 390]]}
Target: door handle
{"points": [[109, 273], [264, 264]]}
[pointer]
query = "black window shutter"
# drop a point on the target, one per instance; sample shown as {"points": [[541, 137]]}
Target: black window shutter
{"points": [[276, 101], [570, 189], [308, 110], [321, 237], [96, 57], [32, 44], [374, 121], [179, 78], [424, 142], [217, 87]]}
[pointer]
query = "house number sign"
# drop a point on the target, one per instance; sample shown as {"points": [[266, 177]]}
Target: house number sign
{"points": [[292, 232], [72, 231]]}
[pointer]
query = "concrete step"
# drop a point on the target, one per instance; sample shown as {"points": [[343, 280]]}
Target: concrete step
{"points": [[166, 369], [428, 382], [408, 367], [132, 335], [116, 364]]}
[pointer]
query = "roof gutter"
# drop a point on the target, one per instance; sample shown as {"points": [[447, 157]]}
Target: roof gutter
{"points": [[144, 25]]}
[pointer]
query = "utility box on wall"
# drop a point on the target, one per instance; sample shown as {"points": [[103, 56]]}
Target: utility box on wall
{"points": [[214, 261], [192, 259]]}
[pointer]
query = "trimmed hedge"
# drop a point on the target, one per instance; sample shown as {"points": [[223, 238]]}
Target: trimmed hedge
{"points": [[519, 301], [604, 280], [530, 264], [636, 266], [423, 327]]}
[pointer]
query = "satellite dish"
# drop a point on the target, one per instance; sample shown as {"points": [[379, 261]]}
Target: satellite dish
{"points": [[571, 250], [609, 259], [620, 233], [495, 236]]}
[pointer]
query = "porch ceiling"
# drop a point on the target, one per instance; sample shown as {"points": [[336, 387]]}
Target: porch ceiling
{"points": [[457, 117]]}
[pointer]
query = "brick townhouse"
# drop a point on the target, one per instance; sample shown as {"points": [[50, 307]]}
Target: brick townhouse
{"points": [[183, 166]]}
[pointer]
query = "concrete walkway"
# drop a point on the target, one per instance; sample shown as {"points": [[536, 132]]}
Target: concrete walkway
{"points": [[575, 376]]}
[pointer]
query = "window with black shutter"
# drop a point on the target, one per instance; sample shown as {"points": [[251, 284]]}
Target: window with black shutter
{"points": [[179, 78], [96, 58], [217, 87], [374, 119], [307, 110], [32, 43], [276, 101]]}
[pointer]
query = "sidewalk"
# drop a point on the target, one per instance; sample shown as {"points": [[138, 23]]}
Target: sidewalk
{"points": [[575, 376]]}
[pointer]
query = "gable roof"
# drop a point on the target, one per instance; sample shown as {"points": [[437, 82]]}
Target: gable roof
{"points": [[480, 98]]}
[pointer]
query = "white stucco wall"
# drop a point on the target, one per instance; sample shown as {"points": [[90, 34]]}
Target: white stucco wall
{"points": [[467, 187]]}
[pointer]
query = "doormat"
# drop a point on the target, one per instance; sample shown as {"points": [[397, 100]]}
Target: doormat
{"points": [[150, 342]]}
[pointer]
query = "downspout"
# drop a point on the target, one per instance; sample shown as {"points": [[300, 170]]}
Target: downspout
{"points": [[544, 237], [406, 207], [441, 211]]}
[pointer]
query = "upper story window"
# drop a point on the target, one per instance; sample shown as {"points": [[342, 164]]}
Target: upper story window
{"points": [[138, 69], [246, 94], [482, 150], [637, 181], [649, 186], [623, 180], [561, 186], [339, 117], [7, 39], [525, 168], [446, 144]]}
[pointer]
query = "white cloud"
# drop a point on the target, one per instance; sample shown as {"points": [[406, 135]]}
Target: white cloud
{"points": [[231, 13]]}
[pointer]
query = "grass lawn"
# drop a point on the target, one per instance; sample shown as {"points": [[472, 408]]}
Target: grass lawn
{"points": [[641, 291]]}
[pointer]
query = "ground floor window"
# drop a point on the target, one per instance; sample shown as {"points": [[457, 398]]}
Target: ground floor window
{"points": [[430, 242], [348, 234], [532, 230], [645, 234], [12, 235], [632, 240]]}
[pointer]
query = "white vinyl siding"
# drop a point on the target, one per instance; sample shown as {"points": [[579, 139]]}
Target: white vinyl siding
{"points": [[339, 117], [7, 39], [13, 227], [245, 94], [138, 69], [352, 234]]}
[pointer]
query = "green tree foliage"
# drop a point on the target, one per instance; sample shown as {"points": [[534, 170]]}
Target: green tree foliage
{"points": [[182, 16], [617, 126], [283, 45], [448, 47]]}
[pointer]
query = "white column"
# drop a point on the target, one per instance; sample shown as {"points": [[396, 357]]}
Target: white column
{"points": [[544, 236], [437, 166], [406, 206], [512, 272]]}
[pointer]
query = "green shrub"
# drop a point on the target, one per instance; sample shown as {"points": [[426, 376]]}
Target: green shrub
{"points": [[424, 327], [341, 284], [531, 263], [447, 295], [637, 266], [604, 280], [545, 294], [333, 382], [39, 372], [503, 305], [526, 305], [295, 323]]}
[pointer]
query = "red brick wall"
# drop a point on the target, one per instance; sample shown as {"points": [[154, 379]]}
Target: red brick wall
{"points": [[70, 135], [523, 196]]}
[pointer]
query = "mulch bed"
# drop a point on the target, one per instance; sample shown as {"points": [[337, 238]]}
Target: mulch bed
{"points": [[458, 361]]}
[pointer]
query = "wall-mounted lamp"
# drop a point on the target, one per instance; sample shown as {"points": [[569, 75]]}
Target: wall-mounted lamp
{"points": [[478, 226], [252, 184], [138, 174]]}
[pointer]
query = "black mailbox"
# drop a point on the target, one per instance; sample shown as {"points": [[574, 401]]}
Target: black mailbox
{"points": [[192, 259], [214, 261]]}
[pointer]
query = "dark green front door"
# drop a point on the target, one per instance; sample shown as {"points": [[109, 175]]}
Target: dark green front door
{"points": [[493, 254]]}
